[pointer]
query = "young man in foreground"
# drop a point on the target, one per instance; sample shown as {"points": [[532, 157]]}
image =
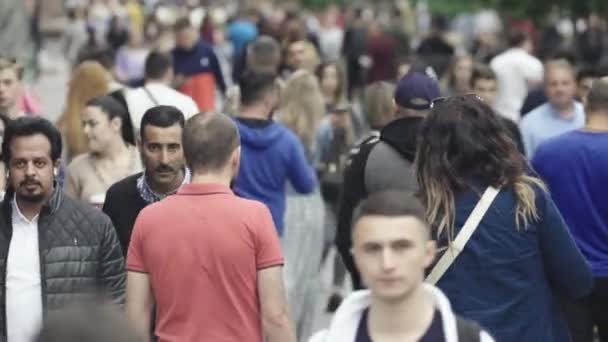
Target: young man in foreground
{"points": [[392, 248]]}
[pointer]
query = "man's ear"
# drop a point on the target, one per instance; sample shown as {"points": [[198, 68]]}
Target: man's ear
{"points": [[138, 142], [236, 157], [56, 167], [117, 123]]}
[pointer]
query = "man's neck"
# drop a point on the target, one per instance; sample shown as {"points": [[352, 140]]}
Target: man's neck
{"points": [[169, 189], [253, 112], [597, 122], [565, 111], [211, 178], [409, 317], [31, 209], [13, 112], [157, 81]]}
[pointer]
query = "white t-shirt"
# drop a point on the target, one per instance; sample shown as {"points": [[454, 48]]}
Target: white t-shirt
{"points": [[23, 282], [515, 69], [139, 101]]}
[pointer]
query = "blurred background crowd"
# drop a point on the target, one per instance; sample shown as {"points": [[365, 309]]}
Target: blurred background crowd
{"points": [[337, 64]]}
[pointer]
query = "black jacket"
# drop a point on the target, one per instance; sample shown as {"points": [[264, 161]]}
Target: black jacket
{"points": [[379, 163], [79, 254], [123, 203]]}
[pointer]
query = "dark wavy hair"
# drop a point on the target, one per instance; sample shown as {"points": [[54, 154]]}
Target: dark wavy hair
{"points": [[463, 142]]}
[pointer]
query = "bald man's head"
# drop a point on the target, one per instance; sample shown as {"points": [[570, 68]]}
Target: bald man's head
{"points": [[209, 141], [597, 99]]}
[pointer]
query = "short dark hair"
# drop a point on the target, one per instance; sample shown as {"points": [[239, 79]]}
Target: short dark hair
{"points": [[391, 204], [264, 53], [587, 72], [161, 116], [103, 56], [597, 99], [181, 24], [254, 85], [482, 72], [157, 65], [114, 109], [563, 54], [516, 37], [28, 126], [208, 140]]}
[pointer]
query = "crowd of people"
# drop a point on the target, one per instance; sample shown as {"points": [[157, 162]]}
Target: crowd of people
{"points": [[209, 160]]}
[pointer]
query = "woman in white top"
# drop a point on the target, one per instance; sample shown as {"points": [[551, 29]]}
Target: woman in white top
{"points": [[112, 155]]}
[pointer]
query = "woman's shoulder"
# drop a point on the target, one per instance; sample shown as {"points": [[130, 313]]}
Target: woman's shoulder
{"points": [[80, 162]]}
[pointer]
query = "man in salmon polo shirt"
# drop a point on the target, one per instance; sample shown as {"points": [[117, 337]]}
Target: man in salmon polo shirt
{"points": [[210, 261]]}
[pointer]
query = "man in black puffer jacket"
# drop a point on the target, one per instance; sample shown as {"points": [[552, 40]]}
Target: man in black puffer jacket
{"points": [[54, 250]]}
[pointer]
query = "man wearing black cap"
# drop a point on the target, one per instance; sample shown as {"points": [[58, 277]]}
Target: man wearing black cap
{"points": [[384, 162]]}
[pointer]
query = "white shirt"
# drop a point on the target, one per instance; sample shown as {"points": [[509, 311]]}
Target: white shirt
{"points": [[514, 69], [23, 284], [139, 101]]}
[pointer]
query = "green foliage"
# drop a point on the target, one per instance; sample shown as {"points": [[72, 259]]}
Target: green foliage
{"points": [[320, 4]]}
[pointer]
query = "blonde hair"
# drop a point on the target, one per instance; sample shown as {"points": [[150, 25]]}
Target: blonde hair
{"points": [[378, 103], [302, 105], [8, 63], [89, 81], [312, 59]]}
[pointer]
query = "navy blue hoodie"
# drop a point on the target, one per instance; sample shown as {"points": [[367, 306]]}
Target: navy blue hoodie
{"points": [[270, 156]]}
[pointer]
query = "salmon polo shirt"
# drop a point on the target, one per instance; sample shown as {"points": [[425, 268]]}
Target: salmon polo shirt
{"points": [[202, 249]]}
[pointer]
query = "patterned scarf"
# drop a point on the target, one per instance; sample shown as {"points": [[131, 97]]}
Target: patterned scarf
{"points": [[148, 195]]}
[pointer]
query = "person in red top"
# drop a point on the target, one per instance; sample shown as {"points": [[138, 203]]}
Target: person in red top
{"points": [[210, 261]]}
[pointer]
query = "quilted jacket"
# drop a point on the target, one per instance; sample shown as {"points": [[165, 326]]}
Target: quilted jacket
{"points": [[80, 255]]}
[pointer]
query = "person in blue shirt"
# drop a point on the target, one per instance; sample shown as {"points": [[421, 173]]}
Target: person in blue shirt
{"points": [[575, 167], [562, 113], [271, 154], [521, 256]]}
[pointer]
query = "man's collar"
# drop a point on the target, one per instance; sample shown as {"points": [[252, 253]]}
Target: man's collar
{"points": [[18, 214], [204, 189], [148, 195]]}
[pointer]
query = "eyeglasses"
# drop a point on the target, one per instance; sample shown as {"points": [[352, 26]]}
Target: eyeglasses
{"points": [[471, 96]]}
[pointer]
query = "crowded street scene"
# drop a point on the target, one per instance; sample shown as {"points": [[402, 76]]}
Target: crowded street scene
{"points": [[303, 170]]}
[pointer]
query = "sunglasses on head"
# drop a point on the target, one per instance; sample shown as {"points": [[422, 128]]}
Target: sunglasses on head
{"points": [[470, 96]]}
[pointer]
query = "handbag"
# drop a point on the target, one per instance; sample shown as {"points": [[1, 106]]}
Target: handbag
{"points": [[463, 236]]}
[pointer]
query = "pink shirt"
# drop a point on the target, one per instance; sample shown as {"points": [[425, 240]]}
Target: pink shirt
{"points": [[202, 249]]}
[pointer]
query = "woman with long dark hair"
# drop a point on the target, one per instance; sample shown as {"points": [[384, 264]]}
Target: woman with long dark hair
{"points": [[521, 256], [112, 153]]}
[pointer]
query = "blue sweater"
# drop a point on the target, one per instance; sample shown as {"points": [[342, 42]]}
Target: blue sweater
{"points": [[271, 155], [506, 278], [575, 167]]}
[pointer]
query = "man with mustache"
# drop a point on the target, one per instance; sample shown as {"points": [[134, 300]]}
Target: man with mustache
{"points": [[165, 172], [54, 250]]}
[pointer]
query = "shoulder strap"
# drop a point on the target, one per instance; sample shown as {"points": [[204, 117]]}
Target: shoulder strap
{"points": [[463, 236], [468, 331], [150, 96]]}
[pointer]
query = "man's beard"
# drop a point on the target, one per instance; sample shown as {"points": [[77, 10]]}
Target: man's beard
{"points": [[32, 199]]}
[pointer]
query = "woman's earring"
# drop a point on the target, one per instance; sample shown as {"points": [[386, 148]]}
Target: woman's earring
{"points": [[55, 172]]}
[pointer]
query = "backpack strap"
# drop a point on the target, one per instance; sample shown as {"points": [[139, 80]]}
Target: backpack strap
{"points": [[468, 331]]}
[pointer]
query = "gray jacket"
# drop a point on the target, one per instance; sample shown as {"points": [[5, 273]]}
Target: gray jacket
{"points": [[80, 255]]}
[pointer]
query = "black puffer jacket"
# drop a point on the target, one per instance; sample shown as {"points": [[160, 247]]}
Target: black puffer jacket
{"points": [[80, 254]]}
